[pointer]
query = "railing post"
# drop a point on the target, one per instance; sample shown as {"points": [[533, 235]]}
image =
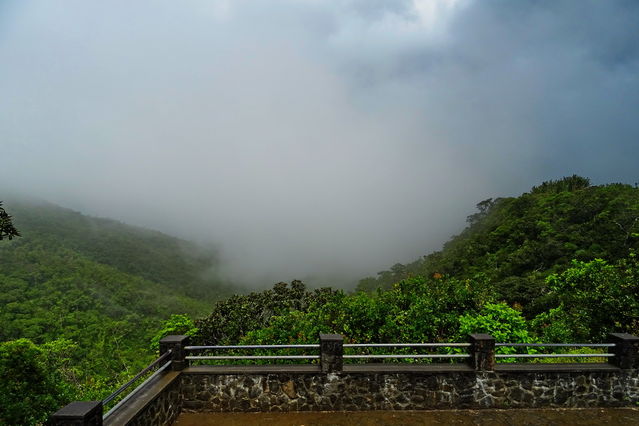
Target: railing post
{"points": [[482, 351], [626, 350], [79, 413], [331, 352], [176, 344]]}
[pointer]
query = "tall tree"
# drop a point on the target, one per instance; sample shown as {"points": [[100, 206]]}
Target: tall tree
{"points": [[7, 230]]}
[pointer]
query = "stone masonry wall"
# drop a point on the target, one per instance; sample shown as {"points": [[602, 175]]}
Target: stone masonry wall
{"points": [[566, 390], [407, 391], [333, 386]]}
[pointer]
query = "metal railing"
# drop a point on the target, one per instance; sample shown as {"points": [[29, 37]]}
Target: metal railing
{"points": [[406, 345], [556, 345], [317, 346], [408, 356], [480, 352], [128, 384], [394, 355], [249, 347]]}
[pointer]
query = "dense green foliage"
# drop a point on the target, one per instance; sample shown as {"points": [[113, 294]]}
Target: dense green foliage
{"points": [[517, 242], [183, 266], [414, 310], [525, 269], [102, 285], [33, 380], [233, 318], [499, 320], [591, 299], [178, 324], [586, 302], [62, 295]]}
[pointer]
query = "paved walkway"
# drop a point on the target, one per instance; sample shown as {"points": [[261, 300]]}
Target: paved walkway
{"points": [[518, 417]]}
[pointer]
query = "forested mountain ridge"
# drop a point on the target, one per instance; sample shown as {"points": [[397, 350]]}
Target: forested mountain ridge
{"points": [[516, 242], [98, 289], [558, 264], [149, 254]]}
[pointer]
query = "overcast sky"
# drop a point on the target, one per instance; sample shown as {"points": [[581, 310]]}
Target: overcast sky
{"points": [[322, 140]]}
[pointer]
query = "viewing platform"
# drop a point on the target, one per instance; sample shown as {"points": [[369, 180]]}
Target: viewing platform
{"points": [[329, 376]]}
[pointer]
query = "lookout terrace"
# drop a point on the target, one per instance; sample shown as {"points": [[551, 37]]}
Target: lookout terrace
{"points": [[331, 376]]}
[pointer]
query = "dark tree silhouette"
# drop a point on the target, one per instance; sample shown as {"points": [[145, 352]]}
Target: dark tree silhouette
{"points": [[7, 230]]}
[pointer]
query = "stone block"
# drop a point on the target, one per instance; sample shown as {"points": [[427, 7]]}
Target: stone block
{"points": [[331, 352], [79, 413], [626, 350], [482, 351], [176, 344]]}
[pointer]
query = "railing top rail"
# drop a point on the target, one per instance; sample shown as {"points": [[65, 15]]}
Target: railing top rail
{"points": [[198, 348], [556, 345], [409, 356], [553, 355], [127, 397], [397, 345], [407, 345], [253, 357], [122, 388]]}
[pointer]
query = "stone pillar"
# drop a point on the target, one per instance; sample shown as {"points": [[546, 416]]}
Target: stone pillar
{"points": [[482, 352], [331, 352], [626, 350], [79, 413], [176, 344]]}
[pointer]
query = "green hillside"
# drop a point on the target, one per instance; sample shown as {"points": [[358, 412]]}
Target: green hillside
{"points": [[556, 264], [516, 242], [151, 255], [105, 286]]}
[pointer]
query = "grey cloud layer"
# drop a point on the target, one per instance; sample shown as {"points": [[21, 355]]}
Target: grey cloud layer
{"points": [[320, 140]]}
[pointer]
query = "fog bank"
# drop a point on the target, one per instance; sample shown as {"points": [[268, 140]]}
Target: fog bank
{"points": [[307, 139]]}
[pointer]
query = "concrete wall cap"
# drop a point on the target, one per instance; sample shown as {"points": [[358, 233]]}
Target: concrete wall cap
{"points": [[625, 336], [323, 336], [174, 339], [77, 409]]}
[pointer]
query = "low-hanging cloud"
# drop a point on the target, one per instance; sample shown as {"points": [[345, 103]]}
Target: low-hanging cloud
{"points": [[310, 139]]}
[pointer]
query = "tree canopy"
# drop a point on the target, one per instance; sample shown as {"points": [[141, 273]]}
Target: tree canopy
{"points": [[555, 264], [518, 241]]}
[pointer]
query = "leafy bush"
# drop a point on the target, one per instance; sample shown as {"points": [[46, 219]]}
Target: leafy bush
{"points": [[233, 318], [502, 322], [499, 320], [33, 380], [593, 299], [415, 310], [177, 324]]}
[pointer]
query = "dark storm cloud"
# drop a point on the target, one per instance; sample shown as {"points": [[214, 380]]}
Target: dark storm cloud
{"points": [[310, 139]]}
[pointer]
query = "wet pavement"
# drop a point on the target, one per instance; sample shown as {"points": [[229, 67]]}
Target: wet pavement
{"points": [[518, 417]]}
